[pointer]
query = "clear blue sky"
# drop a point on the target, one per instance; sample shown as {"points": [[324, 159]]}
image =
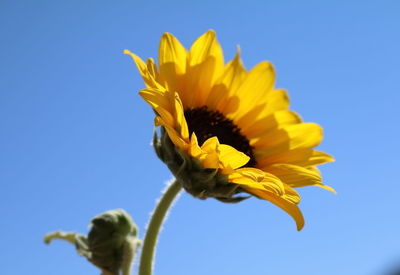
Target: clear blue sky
{"points": [[75, 136]]}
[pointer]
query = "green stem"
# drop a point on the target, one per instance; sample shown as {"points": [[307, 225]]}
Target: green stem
{"points": [[157, 218]]}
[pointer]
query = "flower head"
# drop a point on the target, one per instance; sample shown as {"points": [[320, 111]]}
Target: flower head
{"points": [[227, 130]]}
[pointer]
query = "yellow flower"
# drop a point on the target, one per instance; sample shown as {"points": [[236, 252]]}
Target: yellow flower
{"points": [[233, 121]]}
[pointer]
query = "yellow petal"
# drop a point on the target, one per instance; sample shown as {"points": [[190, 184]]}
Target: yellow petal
{"points": [[198, 83], [208, 153], [254, 174], [296, 176], [194, 150], [148, 76], [302, 157], [206, 64], [303, 135], [210, 144], [254, 89], [289, 207], [293, 175], [226, 86], [158, 98], [181, 124], [326, 187], [257, 179], [173, 134], [160, 103], [232, 158], [291, 194], [277, 100], [151, 67], [261, 110], [204, 47], [271, 122], [172, 59], [211, 159]]}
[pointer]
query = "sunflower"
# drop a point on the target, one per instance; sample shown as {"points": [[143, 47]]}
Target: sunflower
{"points": [[233, 122]]}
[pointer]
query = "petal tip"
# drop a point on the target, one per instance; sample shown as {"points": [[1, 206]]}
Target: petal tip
{"points": [[168, 35], [326, 187], [211, 32], [300, 226]]}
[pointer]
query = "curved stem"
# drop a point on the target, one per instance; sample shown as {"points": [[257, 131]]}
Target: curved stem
{"points": [[156, 220]]}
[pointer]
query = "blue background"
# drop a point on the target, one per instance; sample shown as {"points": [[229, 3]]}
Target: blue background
{"points": [[75, 135]]}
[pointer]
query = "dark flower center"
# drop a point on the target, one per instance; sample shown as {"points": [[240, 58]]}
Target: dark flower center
{"points": [[206, 123]]}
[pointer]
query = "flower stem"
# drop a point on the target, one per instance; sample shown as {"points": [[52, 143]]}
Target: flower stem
{"points": [[156, 220]]}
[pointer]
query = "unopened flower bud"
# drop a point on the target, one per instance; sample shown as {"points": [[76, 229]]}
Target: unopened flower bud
{"points": [[111, 243]]}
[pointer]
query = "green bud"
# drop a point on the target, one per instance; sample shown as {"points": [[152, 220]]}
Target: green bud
{"points": [[198, 181], [111, 243]]}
